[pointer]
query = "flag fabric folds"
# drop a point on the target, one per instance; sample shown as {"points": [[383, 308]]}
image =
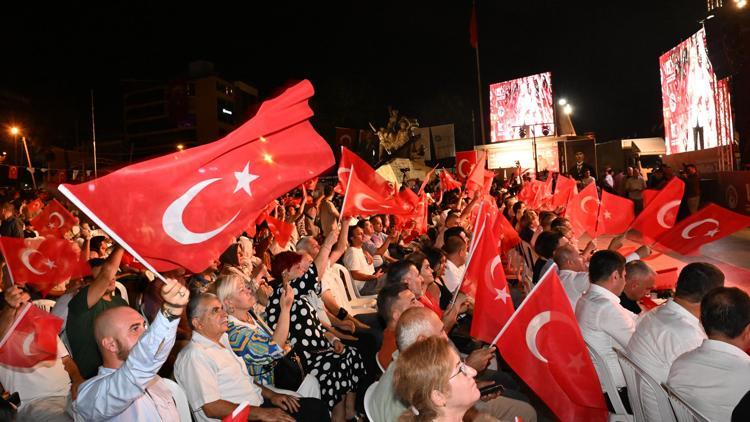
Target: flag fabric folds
{"points": [[615, 214], [32, 338], [185, 208], [709, 224], [582, 210], [54, 220], [661, 212]]}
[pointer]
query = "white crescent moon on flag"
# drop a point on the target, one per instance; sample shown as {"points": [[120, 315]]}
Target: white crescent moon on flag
{"points": [[26, 347], [686, 232], [532, 331], [663, 213], [583, 203], [343, 170], [493, 264], [59, 217], [26, 255], [461, 166], [173, 224], [358, 199]]}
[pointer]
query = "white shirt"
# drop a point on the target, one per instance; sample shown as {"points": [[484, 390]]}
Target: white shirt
{"points": [[453, 274], [209, 372], [604, 325], [45, 379], [575, 284], [662, 335], [133, 392], [355, 260], [713, 378]]}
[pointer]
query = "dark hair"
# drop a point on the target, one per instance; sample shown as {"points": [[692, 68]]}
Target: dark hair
{"points": [[194, 304], [230, 255], [282, 262], [327, 190], [559, 222], [350, 233], [517, 206], [725, 310], [434, 255], [96, 242], [453, 231], [547, 242], [387, 297], [696, 280], [417, 258], [544, 215], [603, 264], [397, 271], [96, 262], [453, 244]]}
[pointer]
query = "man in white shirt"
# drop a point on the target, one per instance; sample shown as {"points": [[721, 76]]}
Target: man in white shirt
{"points": [[377, 242], [573, 273], [127, 387], [216, 380], [360, 264], [715, 376], [455, 266], [45, 388], [604, 323], [639, 280], [672, 329]]}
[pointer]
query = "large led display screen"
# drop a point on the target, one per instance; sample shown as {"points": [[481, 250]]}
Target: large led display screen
{"points": [[522, 108], [689, 98]]}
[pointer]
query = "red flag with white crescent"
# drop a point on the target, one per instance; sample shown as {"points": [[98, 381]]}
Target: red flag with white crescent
{"points": [[185, 208], [544, 346], [582, 210], [32, 338], [365, 173], [661, 212], [709, 224], [465, 163], [54, 220], [447, 182], [615, 214]]}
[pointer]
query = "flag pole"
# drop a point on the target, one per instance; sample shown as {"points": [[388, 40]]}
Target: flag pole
{"points": [[93, 132], [346, 194], [472, 248], [479, 79]]}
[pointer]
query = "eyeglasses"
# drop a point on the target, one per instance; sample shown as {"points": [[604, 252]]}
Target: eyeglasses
{"points": [[462, 368]]}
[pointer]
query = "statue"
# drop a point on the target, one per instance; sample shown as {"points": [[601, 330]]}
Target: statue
{"points": [[397, 133]]}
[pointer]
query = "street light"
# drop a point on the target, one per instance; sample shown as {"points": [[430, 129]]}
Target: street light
{"points": [[567, 109], [562, 101], [14, 130], [180, 147]]}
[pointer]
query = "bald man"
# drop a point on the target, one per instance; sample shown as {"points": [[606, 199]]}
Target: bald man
{"points": [[574, 275], [127, 387], [639, 280]]}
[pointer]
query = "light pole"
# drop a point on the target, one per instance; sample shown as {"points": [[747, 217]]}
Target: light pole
{"points": [[15, 131]]}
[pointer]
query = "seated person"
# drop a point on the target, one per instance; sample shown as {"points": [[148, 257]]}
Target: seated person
{"points": [[216, 380], [393, 300], [639, 280], [127, 387], [574, 275], [45, 388], [715, 376], [360, 264]]}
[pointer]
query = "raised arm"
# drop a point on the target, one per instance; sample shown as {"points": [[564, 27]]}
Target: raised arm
{"points": [[101, 283]]}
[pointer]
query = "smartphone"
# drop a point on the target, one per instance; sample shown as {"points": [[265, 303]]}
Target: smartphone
{"points": [[490, 389]]}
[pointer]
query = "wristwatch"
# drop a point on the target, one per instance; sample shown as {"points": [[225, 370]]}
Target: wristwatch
{"points": [[168, 315]]}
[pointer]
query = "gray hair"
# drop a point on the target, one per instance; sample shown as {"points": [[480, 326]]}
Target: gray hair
{"points": [[637, 270], [414, 322], [227, 285], [195, 306], [304, 243]]}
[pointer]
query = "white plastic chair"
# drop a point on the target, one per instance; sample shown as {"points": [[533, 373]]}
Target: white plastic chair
{"points": [[351, 290], [355, 306], [180, 400], [44, 304], [684, 411], [635, 378], [368, 399], [602, 370], [123, 291]]}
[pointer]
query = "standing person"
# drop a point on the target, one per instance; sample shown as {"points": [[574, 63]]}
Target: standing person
{"points": [[327, 212], [634, 186], [692, 188], [12, 225], [608, 183]]}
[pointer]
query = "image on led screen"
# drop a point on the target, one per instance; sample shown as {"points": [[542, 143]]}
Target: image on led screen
{"points": [[521, 102]]}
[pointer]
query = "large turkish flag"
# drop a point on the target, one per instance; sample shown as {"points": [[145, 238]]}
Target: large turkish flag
{"points": [[709, 224], [615, 214], [583, 209], [465, 162], [661, 212], [185, 208]]}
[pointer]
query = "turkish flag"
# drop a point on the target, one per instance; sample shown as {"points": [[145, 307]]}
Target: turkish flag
{"points": [[649, 195], [661, 212], [465, 163], [43, 262], [485, 280], [281, 230], [582, 210], [565, 189], [544, 194], [615, 214], [34, 206], [54, 220], [349, 161], [345, 137], [476, 181], [32, 338], [311, 184], [185, 208], [240, 413], [447, 182], [709, 224], [507, 235], [361, 199], [544, 346]]}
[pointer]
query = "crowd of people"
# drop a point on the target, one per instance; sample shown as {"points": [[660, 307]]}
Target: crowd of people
{"points": [[268, 323]]}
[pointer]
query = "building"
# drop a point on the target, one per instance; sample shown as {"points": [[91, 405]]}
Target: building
{"points": [[189, 110]]}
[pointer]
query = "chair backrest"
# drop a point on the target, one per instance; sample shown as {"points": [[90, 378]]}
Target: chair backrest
{"points": [[635, 378], [602, 370], [123, 291], [338, 287], [684, 411], [351, 289], [44, 304], [368, 399], [180, 400]]}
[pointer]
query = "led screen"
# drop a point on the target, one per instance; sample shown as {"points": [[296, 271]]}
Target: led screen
{"points": [[521, 108]]}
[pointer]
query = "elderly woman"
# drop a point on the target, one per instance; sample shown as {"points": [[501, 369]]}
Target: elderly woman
{"points": [[337, 367], [436, 384]]}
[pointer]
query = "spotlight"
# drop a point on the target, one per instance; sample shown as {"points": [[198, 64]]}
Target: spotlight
{"points": [[522, 132], [562, 102], [545, 130]]}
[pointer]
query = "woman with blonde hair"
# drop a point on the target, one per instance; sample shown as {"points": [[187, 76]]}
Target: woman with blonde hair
{"points": [[435, 382]]}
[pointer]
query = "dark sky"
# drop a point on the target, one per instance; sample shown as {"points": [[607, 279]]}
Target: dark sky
{"points": [[361, 56]]}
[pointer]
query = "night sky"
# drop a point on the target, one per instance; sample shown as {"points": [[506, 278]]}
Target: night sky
{"points": [[361, 56]]}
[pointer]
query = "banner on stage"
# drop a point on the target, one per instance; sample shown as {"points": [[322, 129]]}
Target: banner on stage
{"points": [[421, 146], [444, 141]]}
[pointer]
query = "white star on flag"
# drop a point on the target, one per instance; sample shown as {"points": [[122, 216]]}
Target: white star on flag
{"points": [[576, 363], [607, 215], [502, 294], [49, 263], [244, 178], [712, 233]]}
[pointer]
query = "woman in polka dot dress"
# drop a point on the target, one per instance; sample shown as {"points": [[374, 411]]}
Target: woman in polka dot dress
{"points": [[337, 367]]}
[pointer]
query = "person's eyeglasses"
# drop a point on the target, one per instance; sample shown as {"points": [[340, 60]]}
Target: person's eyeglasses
{"points": [[462, 368]]}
